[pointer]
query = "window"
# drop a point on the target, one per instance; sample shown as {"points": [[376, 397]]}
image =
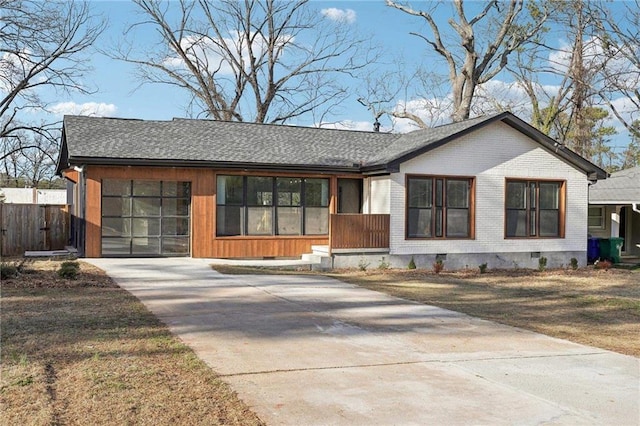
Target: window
{"points": [[316, 211], [596, 217], [230, 211], [260, 205], [533, 209], [289, 211], [439, 207]]}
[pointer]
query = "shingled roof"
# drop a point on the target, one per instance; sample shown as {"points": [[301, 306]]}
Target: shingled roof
{"points": [[621, 187], [209, 143]]}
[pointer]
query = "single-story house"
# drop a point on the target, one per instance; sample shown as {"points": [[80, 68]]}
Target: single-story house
{"points": [[614, 209], [486, 190]]}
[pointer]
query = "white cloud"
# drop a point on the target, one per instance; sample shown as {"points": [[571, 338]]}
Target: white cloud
{"points": [[490, 98], [13, 68], [592, 55], [346, 16], [433, 112], [207, 54], [94, 109]]}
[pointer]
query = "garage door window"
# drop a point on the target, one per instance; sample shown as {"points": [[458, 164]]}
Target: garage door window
{"points": [[145, 218]]}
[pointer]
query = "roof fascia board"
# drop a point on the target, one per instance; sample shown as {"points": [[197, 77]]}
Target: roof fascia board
{"points": [[593, 172], [613, 203], [217, 165], [395, 164], [63, 155]]}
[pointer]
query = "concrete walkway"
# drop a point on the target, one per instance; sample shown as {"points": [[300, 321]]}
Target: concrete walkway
{"points": [[307, 350]]}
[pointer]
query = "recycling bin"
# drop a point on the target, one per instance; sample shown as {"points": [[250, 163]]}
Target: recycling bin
{"points": [[593, 249], [610, 248]]}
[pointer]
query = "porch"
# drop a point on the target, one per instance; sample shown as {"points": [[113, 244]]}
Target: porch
{"points": [[351, 232], [352, 236], [628, 262]]}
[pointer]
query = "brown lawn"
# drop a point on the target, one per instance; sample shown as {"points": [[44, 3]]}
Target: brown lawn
{"points": [[85, 351], [594, 307]]}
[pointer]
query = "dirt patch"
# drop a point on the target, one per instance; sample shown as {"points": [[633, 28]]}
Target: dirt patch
{"points": [[595, 307], [85, 351]]}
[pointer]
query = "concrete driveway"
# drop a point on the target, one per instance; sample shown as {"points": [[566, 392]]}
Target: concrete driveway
{"points": [[304, 350]]}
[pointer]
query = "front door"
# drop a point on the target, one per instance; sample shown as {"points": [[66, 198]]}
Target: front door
{"points": [[623, 227]]}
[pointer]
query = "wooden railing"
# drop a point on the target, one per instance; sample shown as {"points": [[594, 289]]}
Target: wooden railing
{"points": [[353, 231]]}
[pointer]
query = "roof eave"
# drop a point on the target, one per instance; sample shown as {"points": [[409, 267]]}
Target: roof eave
{"points": [[592, 171], [315, 168], [63, 156], [395, 162], [610, 202]]}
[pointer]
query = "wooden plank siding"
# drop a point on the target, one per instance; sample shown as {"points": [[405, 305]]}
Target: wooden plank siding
{"points": [[249, 247], [359, 231], [204, 243]]}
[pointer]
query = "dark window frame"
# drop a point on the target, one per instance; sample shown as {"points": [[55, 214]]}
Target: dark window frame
{"points": [[161, 217], [304, 204], [439, 207], [533, 208]]}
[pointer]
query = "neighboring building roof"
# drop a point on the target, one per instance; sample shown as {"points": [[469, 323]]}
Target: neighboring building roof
{"points": [[621, 187], [209, 143]]}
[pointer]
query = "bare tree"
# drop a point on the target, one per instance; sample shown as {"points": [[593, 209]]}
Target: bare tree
{"points": [[39, 47], [547, 102], [620, 39], [483, 46], [265, 61], [630, 157], [40, 44]]}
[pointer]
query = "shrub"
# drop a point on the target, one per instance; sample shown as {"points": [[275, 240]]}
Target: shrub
{"points": [[574, 263], [363, 264], [412, 264], [438, 266], [483, 268], [542, 263], [69, 270], [8, 270], [383, 264]]}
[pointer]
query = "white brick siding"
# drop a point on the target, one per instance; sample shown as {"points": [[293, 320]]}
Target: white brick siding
{"points": [[490, 154], [380, 195]]}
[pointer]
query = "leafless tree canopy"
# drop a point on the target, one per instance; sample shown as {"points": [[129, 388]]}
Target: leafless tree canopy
{"points": [[264, 61], [483, 42], [39, 46], [40, 43], [620, 39]]}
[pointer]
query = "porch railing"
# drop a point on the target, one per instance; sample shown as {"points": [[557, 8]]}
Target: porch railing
{"points": [[353, 231]]}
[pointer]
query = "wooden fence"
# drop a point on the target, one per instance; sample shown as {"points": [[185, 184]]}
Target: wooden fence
{"points": [[33, 227], [352, 231]]}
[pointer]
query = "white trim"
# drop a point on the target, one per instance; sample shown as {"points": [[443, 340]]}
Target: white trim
{"points": [[612, 203]]}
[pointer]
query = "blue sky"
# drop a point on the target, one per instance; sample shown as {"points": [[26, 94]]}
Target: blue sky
{"points": [[120, 94]]}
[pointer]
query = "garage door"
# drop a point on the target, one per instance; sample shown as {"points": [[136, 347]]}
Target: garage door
{"points": [[145, 218]]}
